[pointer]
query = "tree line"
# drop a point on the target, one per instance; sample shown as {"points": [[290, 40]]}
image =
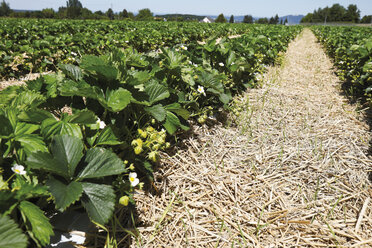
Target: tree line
{"points": [[249, 19], [336, 13], [74, 10]]}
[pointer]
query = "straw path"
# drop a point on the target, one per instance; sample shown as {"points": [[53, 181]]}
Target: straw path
{"points": [[293, 173]]}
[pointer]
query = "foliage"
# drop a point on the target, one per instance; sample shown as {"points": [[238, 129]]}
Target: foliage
{"points": [[5, 9], [248, 19], [351, 49], [144, 15], [336, 13], [231, 19], [220, 19]]}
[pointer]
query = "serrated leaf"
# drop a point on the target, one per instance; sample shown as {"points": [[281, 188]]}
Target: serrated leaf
{"points": [[83, 117], [51, 127], [172, 123], [99, 201], [35, 115], [38, 222], [80, 88], [32, 143], [10, 234], [67, 152], [27, 100], [157, 111], [100, 163], [156, 92], [118, 99], [107, 137], [25, 128], [177, 108], [72, 71], [6, 128], [64, 195]]}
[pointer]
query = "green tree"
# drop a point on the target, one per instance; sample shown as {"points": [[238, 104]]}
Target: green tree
{"points": [[336, 13], [110, 14], [221, 19], [124, 14], [272, 20], [86, 14], [307, 18], [276, 19], [74, 8], [231, 19], [144, 15], [352, 14], [48, 13], [366, 19], [285, 21], [248, 19], [5, 9], [263, 21]]}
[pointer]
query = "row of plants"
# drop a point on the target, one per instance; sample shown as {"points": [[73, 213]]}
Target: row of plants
{"points": [[351, 50], [30, 45], [89, 135]]}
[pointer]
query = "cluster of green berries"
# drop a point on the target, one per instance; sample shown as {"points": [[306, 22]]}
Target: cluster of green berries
{"points": [[150, 141]]}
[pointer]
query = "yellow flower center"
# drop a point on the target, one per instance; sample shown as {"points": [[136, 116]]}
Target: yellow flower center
{"points": [[17, 171], [131, 179]]}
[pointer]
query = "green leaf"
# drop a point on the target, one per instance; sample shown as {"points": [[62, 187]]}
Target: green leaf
{"points": [[99, 201], [51, 127], [107, 137], [80, 88], [32, 143], [156, 92], [176, 108], [27, 100], [157, 111], [40, 226], [83, 117], [118, 99], [28, 190], [35, 115], [225, 98], [72, 71], [115, 100], [6, 128], [64, 195], [172, 123], [94, 65], [25, 128], [101, 163], [67, 152], [10, 234]]}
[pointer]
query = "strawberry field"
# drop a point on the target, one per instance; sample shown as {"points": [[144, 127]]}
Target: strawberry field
{"points": [[351, 49], [87, 135]]}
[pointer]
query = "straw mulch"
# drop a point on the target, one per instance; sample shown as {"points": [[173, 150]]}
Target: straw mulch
{"points": [[21, 80], [293, 173]]}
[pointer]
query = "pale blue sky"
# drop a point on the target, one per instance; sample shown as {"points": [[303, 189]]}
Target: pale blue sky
{"points": [[202, 7]]}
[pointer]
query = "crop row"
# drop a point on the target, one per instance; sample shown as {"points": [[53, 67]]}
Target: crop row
{"points": [[88, 135], [39, 45], [351, 50]]}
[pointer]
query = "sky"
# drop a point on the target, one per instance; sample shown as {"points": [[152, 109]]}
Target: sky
{"points": [[257, 8]]}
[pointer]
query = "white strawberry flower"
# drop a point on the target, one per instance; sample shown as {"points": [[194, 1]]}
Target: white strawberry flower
{"points": [[221, 64], [201, 90], [184, 47], [133, 179], [102, 124], [73, 54], [19, 169]]}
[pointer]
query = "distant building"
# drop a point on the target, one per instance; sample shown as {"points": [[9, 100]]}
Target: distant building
{"points": [[207, 20]]}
